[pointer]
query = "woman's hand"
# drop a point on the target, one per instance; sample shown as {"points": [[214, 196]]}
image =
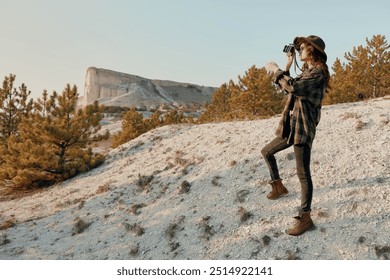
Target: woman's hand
{"points": [[271, 67], [290, 60]]}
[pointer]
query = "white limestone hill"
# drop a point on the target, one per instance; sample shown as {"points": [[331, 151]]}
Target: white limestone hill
{"points": [[113, 88]]}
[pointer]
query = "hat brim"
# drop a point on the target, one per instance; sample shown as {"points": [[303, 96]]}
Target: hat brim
{"points": [[299, 40]]}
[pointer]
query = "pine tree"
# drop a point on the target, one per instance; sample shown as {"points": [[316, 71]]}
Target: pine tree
{"points": [[358, 70], [173, 117], [342, 86], [255, 96], [379, 70], [53, 141], [14, 104], [252, 97], [154, 121], [365, 74], [133, 126], [219, 107]]}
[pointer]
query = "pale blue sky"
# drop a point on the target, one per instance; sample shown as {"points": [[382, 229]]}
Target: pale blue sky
{"points": [[49, 43]]}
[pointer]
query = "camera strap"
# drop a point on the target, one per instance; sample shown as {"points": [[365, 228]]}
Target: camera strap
{"points": [[296, 65]]}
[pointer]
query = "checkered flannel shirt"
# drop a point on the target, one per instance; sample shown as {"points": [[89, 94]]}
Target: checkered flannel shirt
{"points": [[302, 111]]}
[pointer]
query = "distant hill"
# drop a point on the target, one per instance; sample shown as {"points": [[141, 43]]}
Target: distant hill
{"points": [[113, 88]]}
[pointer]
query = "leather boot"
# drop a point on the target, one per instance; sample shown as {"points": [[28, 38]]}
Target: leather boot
{"points": [[278, 190], [303, 224]]}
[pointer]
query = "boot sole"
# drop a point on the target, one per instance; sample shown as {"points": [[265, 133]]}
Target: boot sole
{"points": [[279, 196], [310, 229]]}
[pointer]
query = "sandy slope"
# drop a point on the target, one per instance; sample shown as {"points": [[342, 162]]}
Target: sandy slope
{"points": [[198, 192]]}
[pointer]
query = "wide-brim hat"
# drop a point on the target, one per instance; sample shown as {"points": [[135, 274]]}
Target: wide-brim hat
{"points": [[313, 40]]}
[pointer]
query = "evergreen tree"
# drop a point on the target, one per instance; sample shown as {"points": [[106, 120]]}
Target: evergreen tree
{"points": [[219, 107], [154, 120], [342, 86], [52, 143], [14, 104], [173, 117], [133, 126], [252, 97], [255, 96], [358, 70], [379, 60], [365, 74]]}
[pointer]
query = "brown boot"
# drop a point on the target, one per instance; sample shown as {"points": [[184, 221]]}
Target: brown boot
{"points": [[303, 223], [278, 190]]}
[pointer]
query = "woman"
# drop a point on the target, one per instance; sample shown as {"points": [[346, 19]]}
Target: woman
{"points": [[300, 117]]}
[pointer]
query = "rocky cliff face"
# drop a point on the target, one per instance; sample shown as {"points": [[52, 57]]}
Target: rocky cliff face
{"points": [[119, 89]]}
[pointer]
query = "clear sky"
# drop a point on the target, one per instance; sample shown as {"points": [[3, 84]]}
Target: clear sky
{"points": [[49, 43]]}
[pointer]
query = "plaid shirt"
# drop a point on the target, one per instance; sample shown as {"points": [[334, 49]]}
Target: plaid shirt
{"points": [[302, 112]]}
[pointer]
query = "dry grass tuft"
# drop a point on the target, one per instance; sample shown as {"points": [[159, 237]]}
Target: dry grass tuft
{"points": [[135, 207], [173, 227], [292, 255], [349, 115], [174, 246], [134, 228], [323, 214], [244, 214], [81, 204], [215, 181], [170, 231], [362, 239], [179, 160], [360, 125], [266, 240], [103, 188], [144, 181], [207, 230], [7, 224], [80, 226], [241, 195], [184, 187], [4, 240], [385, 120], [382, 252], [134, 250]]}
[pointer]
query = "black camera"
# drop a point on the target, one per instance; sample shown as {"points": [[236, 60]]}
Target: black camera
{"points": [[288, 48]]}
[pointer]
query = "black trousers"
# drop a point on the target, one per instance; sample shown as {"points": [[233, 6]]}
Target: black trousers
{"points": [[302, 156]]}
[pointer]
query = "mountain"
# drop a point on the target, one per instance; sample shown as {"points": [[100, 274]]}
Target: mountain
{"points": [[119, 89], [199, 192]]}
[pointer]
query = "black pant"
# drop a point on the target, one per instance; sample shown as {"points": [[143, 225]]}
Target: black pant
{"points": [[302, 156]]}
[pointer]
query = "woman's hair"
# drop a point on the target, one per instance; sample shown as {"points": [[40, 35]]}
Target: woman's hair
{"points": [[318, 59]]}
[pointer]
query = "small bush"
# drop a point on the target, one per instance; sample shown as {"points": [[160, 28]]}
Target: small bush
{"points": [[170, 231], [4, 240], [135, 207], [241, 195], [244, 214], [103, 188], [184, 187], [134, 228], [383, 252], [266, 240], [144, 181], [7, 224], [207, 230], [360, 125], [80, 226]]}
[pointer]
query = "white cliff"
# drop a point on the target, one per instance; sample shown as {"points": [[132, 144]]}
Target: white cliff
{"points": [[119, 89]]}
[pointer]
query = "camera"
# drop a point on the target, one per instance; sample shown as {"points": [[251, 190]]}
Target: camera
{"points": [[288, 48]]}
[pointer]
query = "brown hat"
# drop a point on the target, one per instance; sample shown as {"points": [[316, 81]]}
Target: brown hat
{"points": [[313, 40]]}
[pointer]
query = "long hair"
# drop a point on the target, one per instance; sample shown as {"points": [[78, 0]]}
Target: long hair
{"points": [[318, 59]]}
